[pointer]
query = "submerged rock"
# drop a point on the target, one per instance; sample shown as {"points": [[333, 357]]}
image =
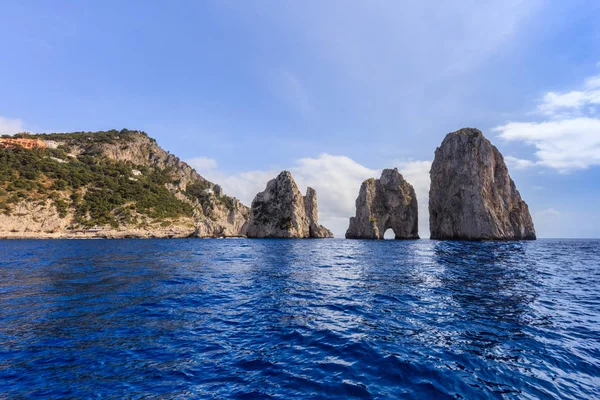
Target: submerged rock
{"points": [[472, 196], [387, 202], [280, 211]]}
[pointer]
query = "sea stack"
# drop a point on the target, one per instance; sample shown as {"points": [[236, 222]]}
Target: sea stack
{"points": [[387, 202], [280, 211], [472, 196]]}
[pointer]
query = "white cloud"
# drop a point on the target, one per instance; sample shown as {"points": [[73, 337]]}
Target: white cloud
{"points": [[202, 164], [10, 126], [518, 163], [573, 102], [336, 179], [565, 145], [570, 137], [417, 174], [244, 185]]}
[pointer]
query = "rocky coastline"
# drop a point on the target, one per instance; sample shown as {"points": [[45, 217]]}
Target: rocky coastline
{"points": [[147, 192]]}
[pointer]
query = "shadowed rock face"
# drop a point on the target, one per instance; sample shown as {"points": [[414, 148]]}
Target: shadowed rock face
{"points": [[472, 196], [280, 211], [388, 202]]}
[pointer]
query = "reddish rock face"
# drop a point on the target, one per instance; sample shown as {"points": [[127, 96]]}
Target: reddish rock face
{"points": [[472, 196], [26, 143]]}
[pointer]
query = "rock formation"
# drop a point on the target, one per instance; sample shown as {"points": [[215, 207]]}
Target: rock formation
{"points": [[280, 211], [310, 206], [472, 196], [387, 202], [215, 214], [91, 166]]}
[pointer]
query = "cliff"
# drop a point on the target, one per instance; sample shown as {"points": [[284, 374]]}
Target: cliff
{"points": [[109, 184], [280, 211], [388, 202], [472, 196]]}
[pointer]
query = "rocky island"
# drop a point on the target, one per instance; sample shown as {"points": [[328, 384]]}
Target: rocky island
{"points": [[108, 184], [384, 203], [280, 211], [472, 196]]}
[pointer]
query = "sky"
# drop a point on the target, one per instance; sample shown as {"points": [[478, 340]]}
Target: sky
{"points": [[332, 90]]}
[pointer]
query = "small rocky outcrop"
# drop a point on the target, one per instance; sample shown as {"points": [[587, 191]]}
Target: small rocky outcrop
{"points": [[387, 202], [312, 213], [472, 196], [280, 211]]}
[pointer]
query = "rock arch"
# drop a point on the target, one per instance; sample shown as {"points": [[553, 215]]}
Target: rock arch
{"points": [[384, 203], [389, 234]]}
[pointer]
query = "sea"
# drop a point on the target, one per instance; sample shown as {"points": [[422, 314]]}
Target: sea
{"points": [[299, 319]]}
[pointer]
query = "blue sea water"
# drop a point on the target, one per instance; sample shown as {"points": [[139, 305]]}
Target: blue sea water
{"points": [[299, 319]]}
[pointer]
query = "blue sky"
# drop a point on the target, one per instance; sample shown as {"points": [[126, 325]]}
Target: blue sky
{"points": [[332, 90]]}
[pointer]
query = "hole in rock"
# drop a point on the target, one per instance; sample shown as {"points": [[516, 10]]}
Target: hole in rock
{"points": [[389, 234]]}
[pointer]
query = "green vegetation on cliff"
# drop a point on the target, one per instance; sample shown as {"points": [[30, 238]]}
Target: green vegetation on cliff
{"points": [[97, 190], [200, 191], [85, 138]]}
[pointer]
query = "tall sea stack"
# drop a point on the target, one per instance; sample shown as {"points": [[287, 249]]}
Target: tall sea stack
{"points": [[384, 203], [472, 196], [280, 211]]}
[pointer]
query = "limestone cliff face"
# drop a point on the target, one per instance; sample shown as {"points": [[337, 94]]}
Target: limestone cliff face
{"points": [[219, 220], [472, 196], [138, 149], [388, 202], [213, 214], [280, 211], [312, 213], [212, 218]]}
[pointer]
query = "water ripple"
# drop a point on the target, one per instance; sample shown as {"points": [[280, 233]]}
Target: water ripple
{"points": [[299, 319]]}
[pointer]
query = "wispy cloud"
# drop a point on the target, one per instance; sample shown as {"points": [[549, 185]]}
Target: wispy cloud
{"points": [[518, 163], [573, 103], [291, 90], [10, 126], [203, 163], [565, 145], [569, 138]]}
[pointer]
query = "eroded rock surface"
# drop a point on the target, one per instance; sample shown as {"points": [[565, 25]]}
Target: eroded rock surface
{"points": [[280, 211], [193, 206], [387, 202], [472, 196]]}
